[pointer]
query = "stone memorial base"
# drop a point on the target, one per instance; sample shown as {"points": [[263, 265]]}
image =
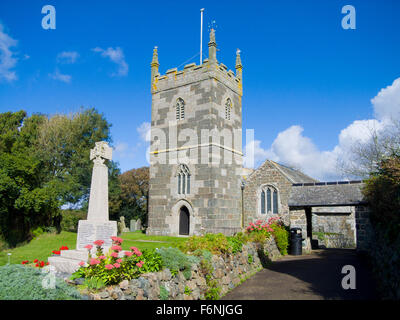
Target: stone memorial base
{"points": [[68, 260], [88, 232]]}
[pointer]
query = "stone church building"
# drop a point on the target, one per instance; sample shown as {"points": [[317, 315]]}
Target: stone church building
{"points": [[197, 181]]}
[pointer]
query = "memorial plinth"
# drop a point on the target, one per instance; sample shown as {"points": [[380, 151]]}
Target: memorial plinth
{"points": [[97, 226]]}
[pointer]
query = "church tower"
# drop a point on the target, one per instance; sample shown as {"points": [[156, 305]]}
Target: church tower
{"points": [[196, 148]]}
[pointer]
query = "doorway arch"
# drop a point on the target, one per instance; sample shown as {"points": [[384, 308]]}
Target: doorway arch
{"points": [[184, 221]]}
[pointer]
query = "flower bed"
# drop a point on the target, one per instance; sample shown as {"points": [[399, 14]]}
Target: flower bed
{"points": [[202, 268]]}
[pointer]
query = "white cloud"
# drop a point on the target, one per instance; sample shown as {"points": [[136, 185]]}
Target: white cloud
{"points": [[387, 102], [69, 57], [294, 149], [122, 150], [117, 56], [145, 131], [7, 58], [56, 75]]}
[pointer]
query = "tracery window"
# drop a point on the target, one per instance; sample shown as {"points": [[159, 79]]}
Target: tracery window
{"points": [[180, 109], [269, 200], [183, 176], [228, 107]]}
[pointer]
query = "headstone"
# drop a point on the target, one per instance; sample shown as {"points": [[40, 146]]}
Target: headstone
{"points": [[121, 225], [97, 226], [138, 225], [133, 225]]}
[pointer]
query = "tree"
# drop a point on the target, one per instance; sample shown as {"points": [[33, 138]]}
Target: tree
{"points": [[44, 164], [64, 144], [26, 201], [134, 196], [365, 157]]}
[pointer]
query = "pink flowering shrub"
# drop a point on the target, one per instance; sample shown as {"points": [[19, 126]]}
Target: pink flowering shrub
{"points": [[111, 267], [260, 230]]}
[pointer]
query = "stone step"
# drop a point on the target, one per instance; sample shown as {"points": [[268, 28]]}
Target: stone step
{"points": [[80, 255], [62, 264]]}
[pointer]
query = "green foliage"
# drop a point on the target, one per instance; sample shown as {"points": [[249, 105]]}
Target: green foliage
{"points": [[134, 195], [281, 236], [236, 243], [70, 219], [94, 283], [37, 232], [250, 258], [44, 164], [213, 290], [187, 291], [382, 191], [203, 254], [111, 268], [152, 261], [18, 282], [215, 243], [175, 260], [164, 294]]}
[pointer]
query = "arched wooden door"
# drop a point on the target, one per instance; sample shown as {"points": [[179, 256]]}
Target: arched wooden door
{"points": [[184, 221]]}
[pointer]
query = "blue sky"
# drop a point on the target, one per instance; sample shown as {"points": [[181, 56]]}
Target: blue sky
{"points": [[306, 79]]}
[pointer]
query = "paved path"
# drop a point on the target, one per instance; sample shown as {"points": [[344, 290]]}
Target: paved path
{"points": [[316, 276]]}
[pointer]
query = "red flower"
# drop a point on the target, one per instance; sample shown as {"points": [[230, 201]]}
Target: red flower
{"points": [[36, 260], [64, 248], [116, 248], [25, 262], [99, 243], [42, 263], [56, 252]]}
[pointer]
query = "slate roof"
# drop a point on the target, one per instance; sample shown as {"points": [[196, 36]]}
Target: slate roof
{"points": [[326, 194], [293, 175]]}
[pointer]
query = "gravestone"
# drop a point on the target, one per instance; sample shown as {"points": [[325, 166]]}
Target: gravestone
{"points": [[97, 226], [133, 225], [138, 224], [121, 225]]}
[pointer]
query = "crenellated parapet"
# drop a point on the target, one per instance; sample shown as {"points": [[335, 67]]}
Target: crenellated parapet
{"points": [[192, 73]]}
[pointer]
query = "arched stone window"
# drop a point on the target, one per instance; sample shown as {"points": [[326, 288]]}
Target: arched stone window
{"points": [[180, 109], [269, 200], [228, 107], [183, 176]]}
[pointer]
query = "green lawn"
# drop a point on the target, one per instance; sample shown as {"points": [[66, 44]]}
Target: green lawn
{"points": [[41, 247]]}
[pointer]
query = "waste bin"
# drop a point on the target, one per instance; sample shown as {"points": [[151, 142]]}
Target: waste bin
{"points": [[296, 241]]}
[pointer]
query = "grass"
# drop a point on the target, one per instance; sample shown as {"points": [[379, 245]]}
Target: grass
{"points": [[41, 247]]}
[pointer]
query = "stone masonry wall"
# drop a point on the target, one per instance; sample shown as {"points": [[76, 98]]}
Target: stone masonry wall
{"points": [[266, 175], [228, 271], [334, 227]]}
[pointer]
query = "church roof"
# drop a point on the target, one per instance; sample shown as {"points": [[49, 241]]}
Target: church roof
{"points": [[293, 175], [326, 194]]}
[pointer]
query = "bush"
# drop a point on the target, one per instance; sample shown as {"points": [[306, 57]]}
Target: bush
{"points": [[215, 243], [281, 236], [152, 261], [164, 294], [110, 267], [18, 282], [70, 219], [175, 260], [236, 243]]}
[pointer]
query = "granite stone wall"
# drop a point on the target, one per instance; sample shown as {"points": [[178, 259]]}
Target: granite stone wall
{"points": [[334, 227], [267, 174], [228, 271]]}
